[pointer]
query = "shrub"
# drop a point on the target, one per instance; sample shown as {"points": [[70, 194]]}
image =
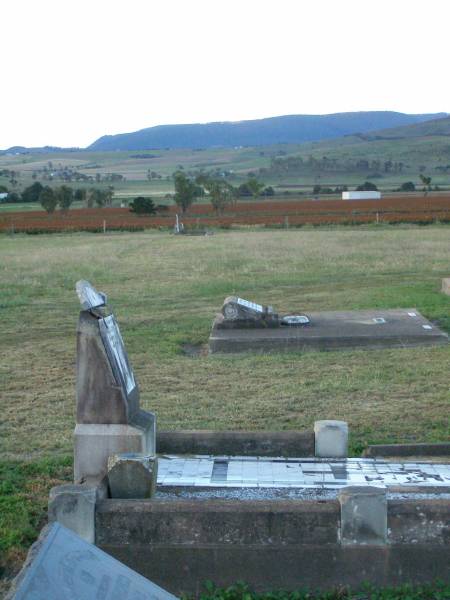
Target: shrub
{"points": [[408, 186], [367, 186], [143, 206]]}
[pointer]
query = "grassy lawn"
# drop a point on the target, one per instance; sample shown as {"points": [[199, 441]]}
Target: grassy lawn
{"points": [[165, 291]]}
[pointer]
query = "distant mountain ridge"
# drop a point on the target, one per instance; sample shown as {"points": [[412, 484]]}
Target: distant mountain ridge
{"points": [[260, 132]]}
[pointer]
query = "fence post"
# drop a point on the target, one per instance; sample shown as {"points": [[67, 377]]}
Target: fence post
{"points": [[104, 226], [286, 222]]}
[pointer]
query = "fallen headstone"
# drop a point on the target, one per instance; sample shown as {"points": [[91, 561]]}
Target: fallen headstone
{"points": [[62, 566]]}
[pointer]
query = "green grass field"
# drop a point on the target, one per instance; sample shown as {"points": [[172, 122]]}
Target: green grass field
{"points": [[165, 291]]}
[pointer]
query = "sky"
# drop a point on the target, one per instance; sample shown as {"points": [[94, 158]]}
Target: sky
{"points": [[74, 70]]}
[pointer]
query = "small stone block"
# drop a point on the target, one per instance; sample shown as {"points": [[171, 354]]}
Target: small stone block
{"points": [[61, 565], [331, 439], [74, 507], [446, 286], [363, 515], [94, 444], [132, 476]]}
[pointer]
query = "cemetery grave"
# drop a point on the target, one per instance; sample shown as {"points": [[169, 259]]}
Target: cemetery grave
{"points": [[244, 326], [275, 509]]}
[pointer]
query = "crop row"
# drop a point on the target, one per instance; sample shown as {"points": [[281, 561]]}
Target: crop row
{"points": [[130, 223]]}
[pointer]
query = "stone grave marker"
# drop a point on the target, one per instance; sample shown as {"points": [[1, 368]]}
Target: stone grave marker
{"points": [[239, 313], [109, 417], [62, 566]]}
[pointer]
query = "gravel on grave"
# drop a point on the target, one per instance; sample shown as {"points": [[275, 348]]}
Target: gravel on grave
{"points": [[278, 494]]}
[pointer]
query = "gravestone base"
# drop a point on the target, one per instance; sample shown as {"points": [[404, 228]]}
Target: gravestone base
{"points": [[368, 329], [94, 444]]}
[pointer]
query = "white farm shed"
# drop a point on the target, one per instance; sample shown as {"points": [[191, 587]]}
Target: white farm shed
{"points": [[361, 195], [3, 196]]}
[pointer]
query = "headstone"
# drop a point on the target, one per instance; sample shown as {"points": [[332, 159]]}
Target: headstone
{"points": [[109, 418], [88, 295], [331, 439], [132, 475], [239, 313], [63, 566]]}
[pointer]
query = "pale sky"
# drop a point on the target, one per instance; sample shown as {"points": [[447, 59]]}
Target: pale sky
{"points": [[73, 70]]}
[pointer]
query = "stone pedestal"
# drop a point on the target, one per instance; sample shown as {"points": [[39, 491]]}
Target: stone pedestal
{"points": [[331, 439], [95, 443], [363, 515], [132, 476]]}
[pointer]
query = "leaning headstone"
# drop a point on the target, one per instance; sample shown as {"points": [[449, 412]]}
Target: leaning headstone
{"points": [[109, 418], [132, 476], [60, 565]]}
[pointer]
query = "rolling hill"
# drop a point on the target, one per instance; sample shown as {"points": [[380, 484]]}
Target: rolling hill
{"points": [[290, 129]]}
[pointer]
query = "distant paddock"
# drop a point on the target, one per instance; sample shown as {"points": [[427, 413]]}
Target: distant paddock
{"points": [[394, 209]]}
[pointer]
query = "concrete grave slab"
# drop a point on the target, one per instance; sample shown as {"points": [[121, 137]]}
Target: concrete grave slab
{"points": [[334, 331], [62, 565]]}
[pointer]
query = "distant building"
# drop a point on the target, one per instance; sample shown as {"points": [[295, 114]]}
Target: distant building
{"points": [[3, 196], [361, 195]]}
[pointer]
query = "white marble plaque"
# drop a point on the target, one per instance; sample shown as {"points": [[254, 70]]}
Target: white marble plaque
{"points": [[117, 354], [250, 305], [68, 568]]}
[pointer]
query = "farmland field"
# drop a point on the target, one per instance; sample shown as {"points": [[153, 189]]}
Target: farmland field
{"points": [[396, 209], [165, 291]]}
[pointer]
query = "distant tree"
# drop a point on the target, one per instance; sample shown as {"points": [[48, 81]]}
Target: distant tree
{"points": [[143, 206], [48, 199], [220, 192], [64, 195], [99, 197], [3, 189], [244, 190], [408, 186], [14, 197], [316, 189], [367, 186], [79, 195], [268, 191], [426, 183], [255, 186], [32, 192], [185, 190]]}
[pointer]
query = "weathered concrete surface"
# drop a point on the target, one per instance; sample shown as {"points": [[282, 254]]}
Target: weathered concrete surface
{"points": [[94, 444], [440, 449], [74, 507], [277, 544], [219, 522], [335, 331], [331, 439], [363, 515], [132, 475], [236, 443], [417, 521]]}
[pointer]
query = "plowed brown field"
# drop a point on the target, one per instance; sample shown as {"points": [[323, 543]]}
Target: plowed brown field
{"points": [[399, 209]]}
